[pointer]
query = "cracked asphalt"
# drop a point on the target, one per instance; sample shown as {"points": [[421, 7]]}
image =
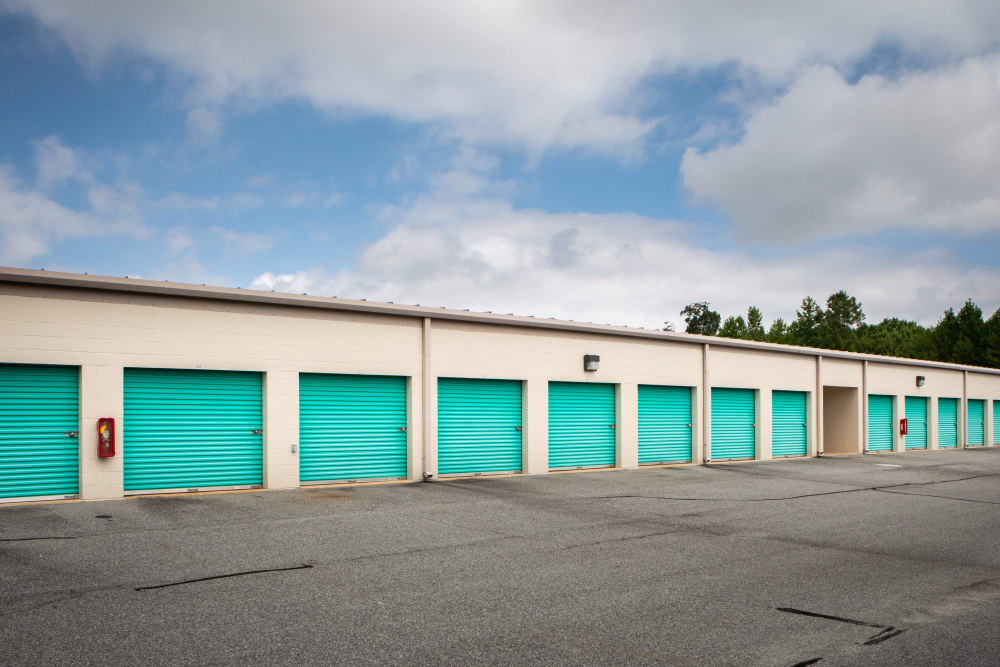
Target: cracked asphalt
{"points": [[833, 561]]}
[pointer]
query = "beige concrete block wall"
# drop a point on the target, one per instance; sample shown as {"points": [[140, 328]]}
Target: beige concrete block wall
{"points": [[103, 333], [986, 387], [901, 381], [765, 372], [100, 396], [841, 434], [537, 357], [106, 332]]}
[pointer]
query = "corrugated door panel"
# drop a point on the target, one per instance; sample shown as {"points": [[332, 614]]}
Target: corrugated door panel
{"points": [[351, 427], [976, 422], [789, 430], [916, 422], [192, 429], [581, 425], [879, 423], [479, 426], [947, 422], [733, 427], [996, 422], [664, 424], [39, 405]]}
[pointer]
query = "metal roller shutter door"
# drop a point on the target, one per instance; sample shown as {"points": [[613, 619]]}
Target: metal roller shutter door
{"points": [[664, 424], [39, 420], [789, 430], [947, 423], [192, 429], [351, 427], [976, 422], [916, 422], [996, 422], [581, 425], [479, 426], [879, 423], [733, 428]]}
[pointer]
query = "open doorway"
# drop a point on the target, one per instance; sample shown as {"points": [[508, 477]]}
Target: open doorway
{"points": [[840, 420]]}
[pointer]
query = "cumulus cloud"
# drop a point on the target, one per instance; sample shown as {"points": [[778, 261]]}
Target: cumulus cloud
{"points": [[482, 253], [204, 125], [245, 242], [30, 222], [831, 158], [56, 163], [527, 73], [178, 239]]}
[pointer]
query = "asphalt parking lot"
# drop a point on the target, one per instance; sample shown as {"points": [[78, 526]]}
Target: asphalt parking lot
{"points": [[889, 559]]}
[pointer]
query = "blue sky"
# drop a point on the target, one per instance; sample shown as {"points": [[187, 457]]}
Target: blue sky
{"points": [[587, 161]]}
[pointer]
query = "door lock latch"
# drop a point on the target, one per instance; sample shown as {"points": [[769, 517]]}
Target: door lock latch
{"points": [[402, 429], [257, 431], [71, 434]]}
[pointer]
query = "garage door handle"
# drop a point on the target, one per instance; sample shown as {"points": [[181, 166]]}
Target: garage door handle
{"points": [[257, 431], [71, 434], [402, 428], [517, 428], [611, 426]]}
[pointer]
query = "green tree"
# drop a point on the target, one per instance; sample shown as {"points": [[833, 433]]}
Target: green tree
{"points": [[895, 337], [778, 332], [755, 324], [842, 316], [991, 341], [969, 346], [700, 319], [734, 327], [945, 335], [805, 329]]}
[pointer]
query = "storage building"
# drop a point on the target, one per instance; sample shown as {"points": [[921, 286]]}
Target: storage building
{"points": [[196, 388]]}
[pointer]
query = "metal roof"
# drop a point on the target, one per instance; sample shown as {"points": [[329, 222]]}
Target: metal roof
{"points": [[166, 288]]}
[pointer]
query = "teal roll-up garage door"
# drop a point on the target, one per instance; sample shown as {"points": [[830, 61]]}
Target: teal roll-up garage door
{"points": [[947, 422], [192, 429], [976, 422], [996, 422], [916, 422], [351, 427], [664, 424], [479, 426], [733, 428], [39, 420], [581, 425], [789, 435], [879, 423]]}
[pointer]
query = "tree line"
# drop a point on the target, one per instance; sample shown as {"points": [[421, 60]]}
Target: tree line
{"points": [[962, 338]]}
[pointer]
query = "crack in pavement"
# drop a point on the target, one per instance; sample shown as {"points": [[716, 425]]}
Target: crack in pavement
{"points": [[223, 576], [932, 495], [45, 537], [885, 631], [881, 487]]}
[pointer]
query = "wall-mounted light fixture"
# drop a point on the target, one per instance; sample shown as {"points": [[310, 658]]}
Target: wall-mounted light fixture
{"points": [[920, 380], [590, 362]]}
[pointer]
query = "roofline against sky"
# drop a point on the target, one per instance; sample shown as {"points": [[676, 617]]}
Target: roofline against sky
{"points": [[166, 288]]}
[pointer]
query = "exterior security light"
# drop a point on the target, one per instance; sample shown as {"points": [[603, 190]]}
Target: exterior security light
{"points": [[590, 362], [920, 380]]}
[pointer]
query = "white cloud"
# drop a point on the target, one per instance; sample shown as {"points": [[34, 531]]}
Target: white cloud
{"points": [[30, 222], [56, 163], [204, 125], [831, 158], [243, 242], [178, 239], [533, 74], [484, 254]]}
